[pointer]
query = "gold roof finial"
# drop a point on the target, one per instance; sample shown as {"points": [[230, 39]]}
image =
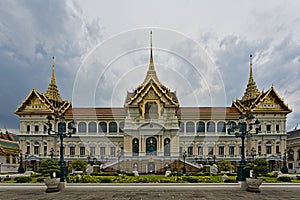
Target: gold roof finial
{"points": [[151, 55], [251, 77], [53, 76], [251, 90], [52, 92]]}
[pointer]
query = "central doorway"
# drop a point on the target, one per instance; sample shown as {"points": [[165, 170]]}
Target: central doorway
{"points": [[151, 167]]}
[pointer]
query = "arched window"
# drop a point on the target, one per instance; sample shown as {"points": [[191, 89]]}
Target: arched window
{"points": [[81, 127], [269, 147], [113, 127], [259, 148], [181, 126], [221, 127], [121, 127], [92, 127], [102, 127], [151, 146], [27, 147], [211, 127], [200, 127], [167, 147], [135, 147], [190, 127], [278, 147]]}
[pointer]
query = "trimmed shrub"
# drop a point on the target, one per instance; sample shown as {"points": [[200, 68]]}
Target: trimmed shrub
{"points": [[22, 179], [105, 180], [229, 181], [284, 179]]}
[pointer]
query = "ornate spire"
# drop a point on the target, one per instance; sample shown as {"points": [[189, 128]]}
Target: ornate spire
{"points": [[52, 92], [151, 55], [251, 90], [151, 73]]}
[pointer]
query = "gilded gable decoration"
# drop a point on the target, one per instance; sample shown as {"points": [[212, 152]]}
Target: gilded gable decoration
{"points": [[253, 100], [50, 102], [151, 92]]}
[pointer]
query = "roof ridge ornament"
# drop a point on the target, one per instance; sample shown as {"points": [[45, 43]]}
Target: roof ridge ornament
{"points": [[251, 91], [52, 92]]}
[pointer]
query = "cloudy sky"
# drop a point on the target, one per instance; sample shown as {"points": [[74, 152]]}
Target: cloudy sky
{"points": [[101, 49]]}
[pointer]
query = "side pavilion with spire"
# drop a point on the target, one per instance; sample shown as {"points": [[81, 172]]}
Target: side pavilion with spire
{"points": [[152, 133]]}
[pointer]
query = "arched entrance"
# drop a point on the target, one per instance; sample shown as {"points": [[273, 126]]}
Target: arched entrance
{"points": [[151, 167], [151, 146]]}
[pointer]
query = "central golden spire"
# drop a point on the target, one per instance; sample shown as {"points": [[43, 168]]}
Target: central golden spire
{"points": [[251, 90], [151, 55]]}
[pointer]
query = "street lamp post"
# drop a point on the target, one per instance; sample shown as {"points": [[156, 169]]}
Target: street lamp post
{"points": [[119, 156], [284, 169], [21, 169], [253, 153], [240, 130], [184, 169], [61, 133]]}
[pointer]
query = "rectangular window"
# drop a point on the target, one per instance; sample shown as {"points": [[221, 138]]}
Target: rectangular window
{"points": [[290, 165], [259, 150], [277, 150], [72, 151], [221, 151], [102, 151], [82, 151], [210, 151], [7, 159], [28, 128], [14, 159], [45, 128], [231, 151], [200, 151], [122, 151], [113, 151], [190, 151], [268, 128], [27, 149], [36, 150], [92, 151], [268, 149], [36, 128], [45, 150], [277, 128]]}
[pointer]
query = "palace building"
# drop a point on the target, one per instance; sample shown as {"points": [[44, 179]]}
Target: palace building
{"points": [[152, 131]]}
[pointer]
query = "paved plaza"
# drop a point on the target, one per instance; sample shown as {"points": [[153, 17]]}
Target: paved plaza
{"points": [[153, 192]]}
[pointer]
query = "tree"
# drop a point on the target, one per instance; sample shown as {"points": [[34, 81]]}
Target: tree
{"points": [[259, 166], [48, 167], [79, 165], [224, 165]]}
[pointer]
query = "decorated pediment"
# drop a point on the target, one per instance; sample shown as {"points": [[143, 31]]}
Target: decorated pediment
{"points": [[265, 101], [33, 102], [50, 102], [271, 101]]}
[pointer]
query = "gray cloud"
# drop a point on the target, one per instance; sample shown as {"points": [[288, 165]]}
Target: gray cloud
{"points": [[78, 34]]}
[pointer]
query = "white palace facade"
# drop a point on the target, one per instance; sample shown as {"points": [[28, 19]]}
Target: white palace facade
{"points": [[152, 131]]}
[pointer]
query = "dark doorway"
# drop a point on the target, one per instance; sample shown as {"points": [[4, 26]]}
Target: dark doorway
{"points": [[151, 167]]}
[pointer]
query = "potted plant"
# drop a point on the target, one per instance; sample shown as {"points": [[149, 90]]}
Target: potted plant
{"points": [[257, 167], [49, 168]]}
